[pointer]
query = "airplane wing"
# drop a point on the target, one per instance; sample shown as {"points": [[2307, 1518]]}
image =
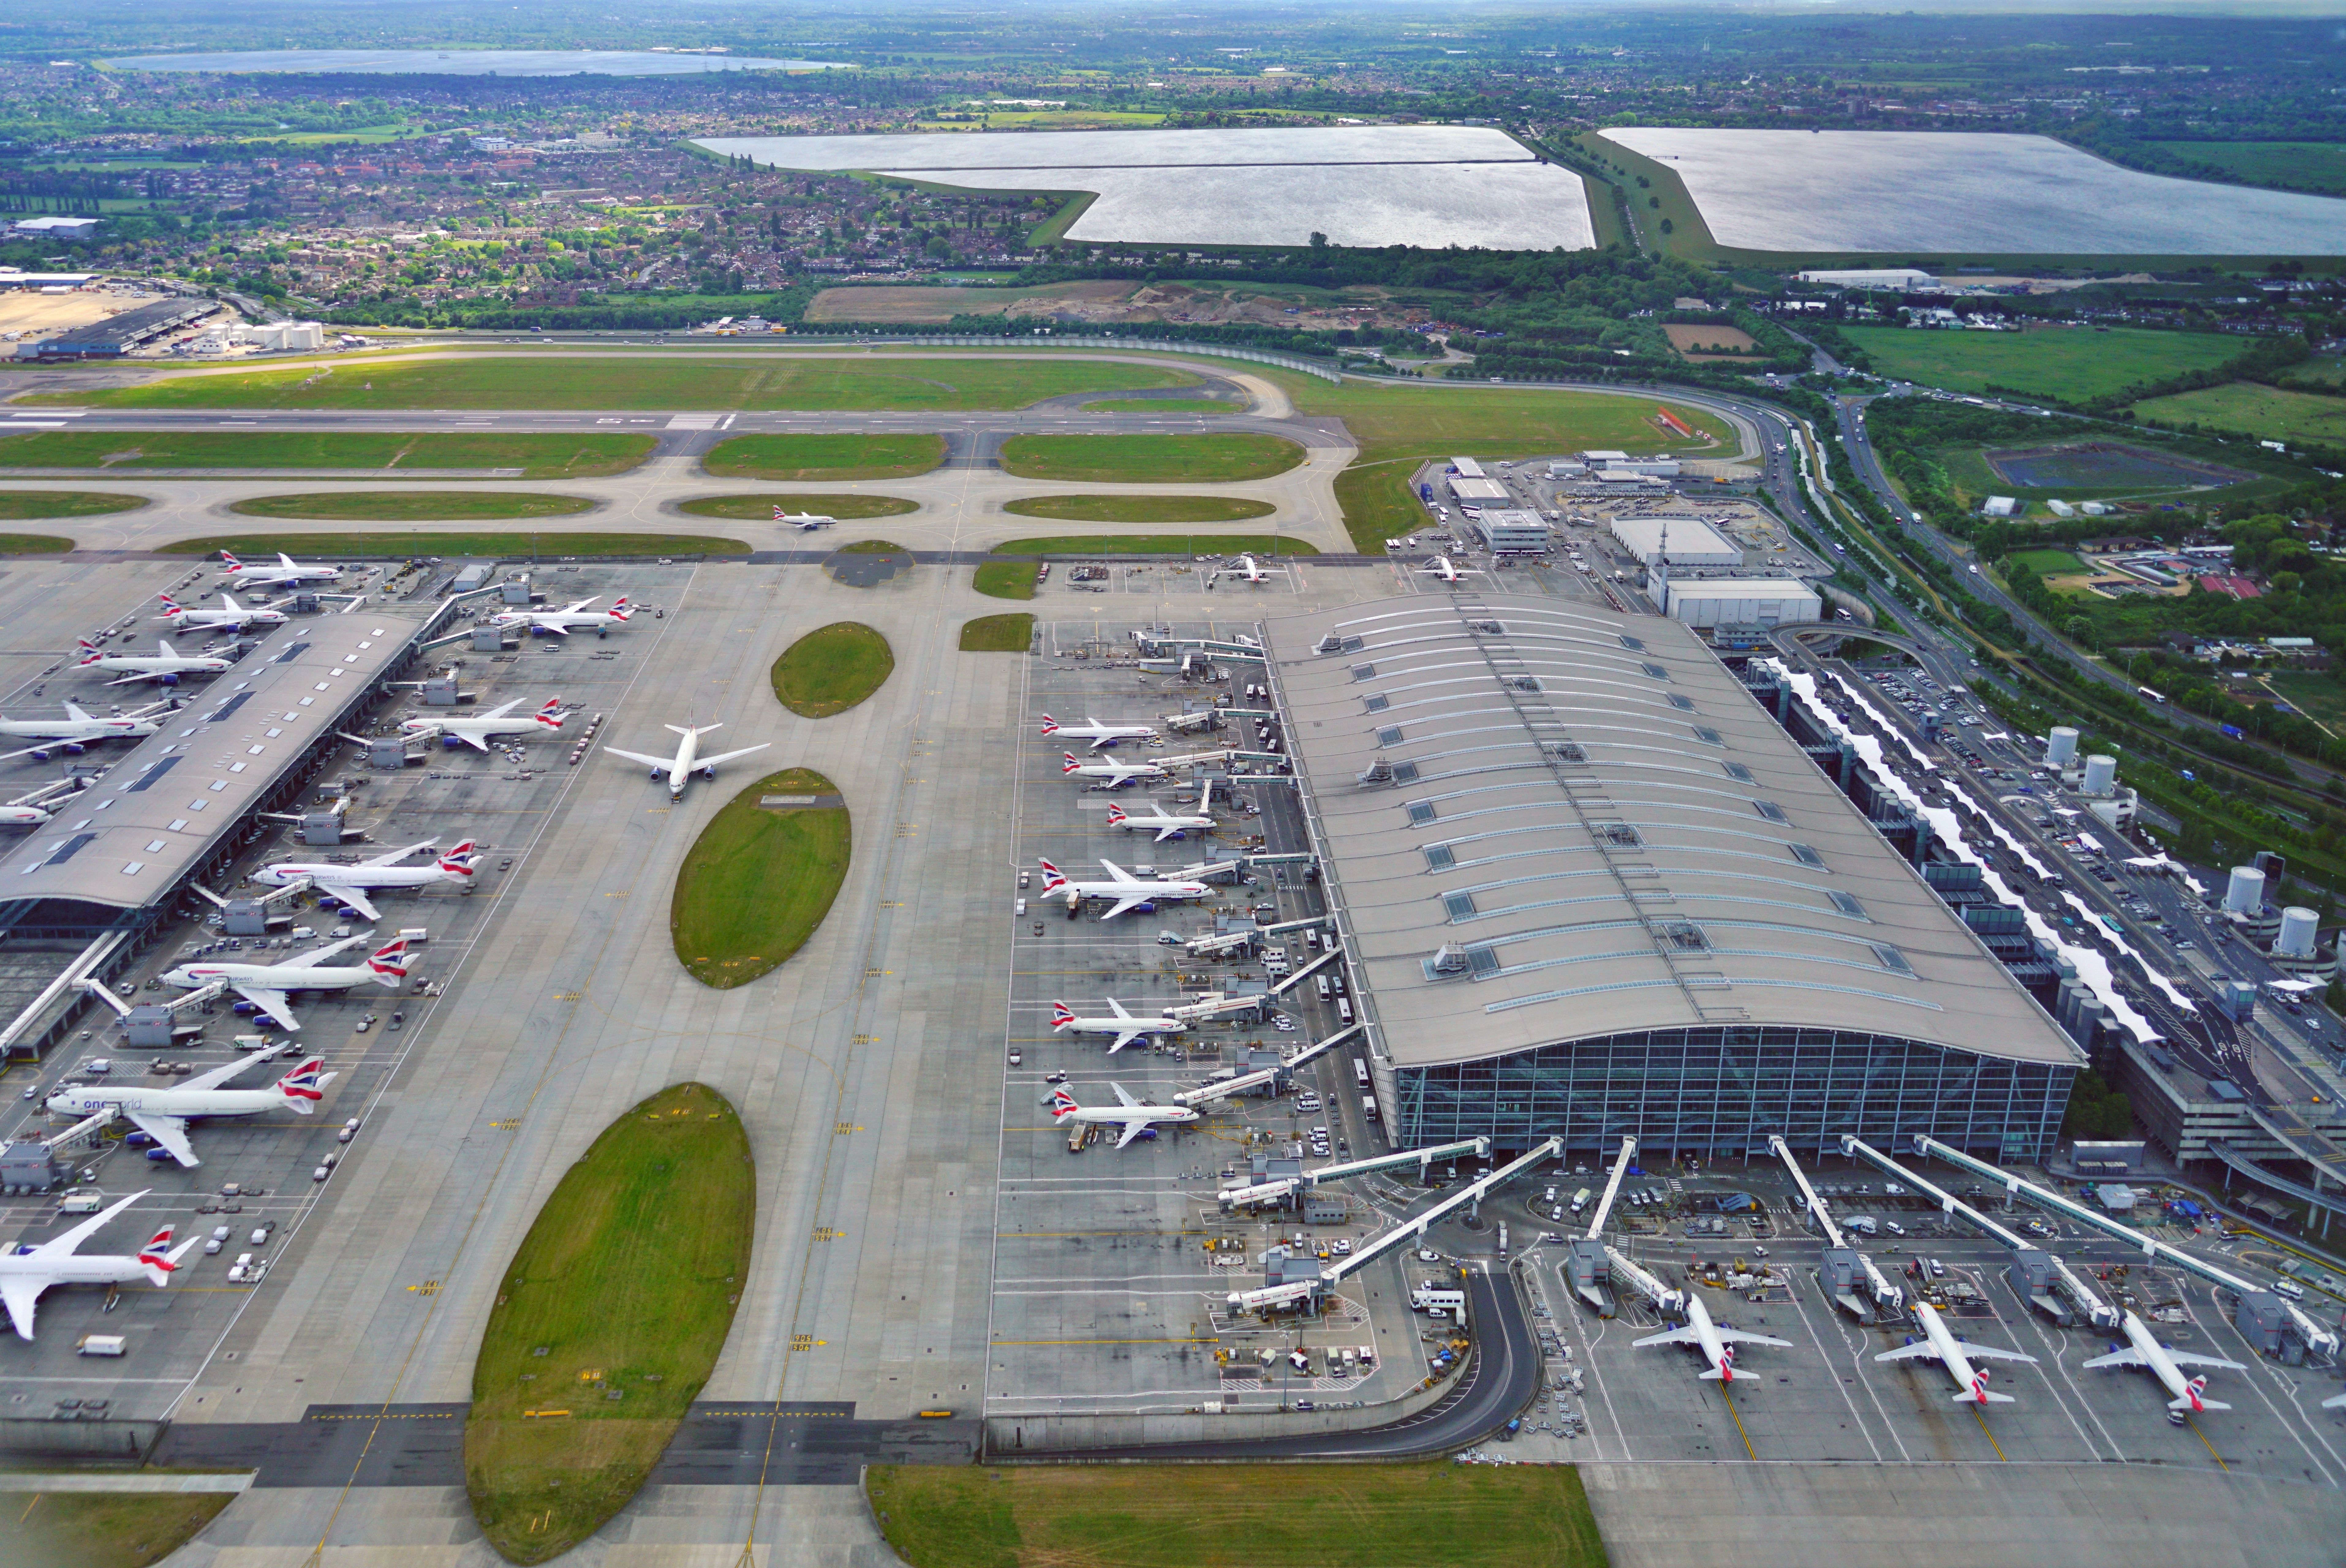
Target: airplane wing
{"points": [[639, 757], [134, 680], [19, 1294], [1165, 833], [2130, 1357], [213, 1077], [311, 959], [62, 1245], [1990, 1353], [1674, 1337], [272, 1003], [1118, 873], [1920, 1350], [2184, 1358], [469, 739], [557, 628], [73, 712], [1123, 1096], [1742, 1336], [352, 897], [573, 609], [1131, 1131], [396, 856], [1121, 905], [701, 762], [502, 709], [1118, 1008], [1124, 1038], [169, 1132]]}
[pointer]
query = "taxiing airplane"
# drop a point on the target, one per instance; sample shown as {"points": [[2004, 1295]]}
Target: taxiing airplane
{"points": [[1124, 1026], [1127, 890], [1165, 827], [2143, 1349], [804, 521], [680, 768], [1116, 773], [1440, 567], [1941, 1344], [24, 1275], [266, 985], [1247, 567], [287, 574], [167, 668], [477, 732], [163, 1113], [1099, 734], [1716, 1344], [234, 618], [350, 885], [1129, 1113], [78, 730], [558, 623]]}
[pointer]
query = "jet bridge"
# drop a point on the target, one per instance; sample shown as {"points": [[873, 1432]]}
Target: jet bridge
{"points": [[1303, 1292], [2318, 1340], [35, 1164], [1296, 979], [254, 916], [153, 1025], [2036, 1273], [1843, 1263], [1288, 1187], [1224, 1088], [1321, 1047], [1587, 1265]]}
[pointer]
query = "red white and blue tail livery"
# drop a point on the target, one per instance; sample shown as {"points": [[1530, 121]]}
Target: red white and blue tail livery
{"points": [[25, 1272]]}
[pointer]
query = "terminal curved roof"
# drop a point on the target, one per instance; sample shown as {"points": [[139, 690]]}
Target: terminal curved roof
{"points": [[1542, 821]]}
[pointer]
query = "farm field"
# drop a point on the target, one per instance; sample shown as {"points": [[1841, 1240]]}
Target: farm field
{"points": [[846, 508], [2301, 165], [1692, 340], [759, 880], [411, 505], [1141, 508], [497, 546], [2268, 413], [1214, 459], [2069, 364], [2317, 697], [536, 456], [15, 505], [819, 459]]}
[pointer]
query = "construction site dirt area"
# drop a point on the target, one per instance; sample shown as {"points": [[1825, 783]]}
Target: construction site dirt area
{"points": [[29, 311], [1698, 340], [1107, 301]]}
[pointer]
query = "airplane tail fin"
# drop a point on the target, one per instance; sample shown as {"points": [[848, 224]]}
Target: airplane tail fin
{"points": [[305, 1085], [156, 1258], [88, 651], [2192, 1399], [172, 608], [1050, 725], [388, 966], [1116, 817], [230, 562], [620, 611], [1982, 1397], [1052, 880], [1062, 1104], [550, 714], [1061, 1016], [1068, 763], [458, 861]]}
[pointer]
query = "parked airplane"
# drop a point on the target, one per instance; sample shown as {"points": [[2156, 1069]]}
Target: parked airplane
{"points": [[1165, 827], [287, 573], [78, 730], [477, 731], [558, 622], [1116, 773], [1099, 734], [167, 668], [24, 1275], [349, 884], [1128, 1113], [1940, 1345], [680, 768], [32, 810], [1124, 1026], [266, 985], [163, 1113], [1716, 1344], [1246, 567], [1127, 890], [234, 618], [1442, 568], [2143, 1349]]}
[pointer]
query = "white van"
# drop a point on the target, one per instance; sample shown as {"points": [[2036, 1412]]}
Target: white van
{"points": [[1344, 1009]]}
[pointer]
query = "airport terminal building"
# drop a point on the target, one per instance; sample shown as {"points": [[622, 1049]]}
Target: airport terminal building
{"points": [[1588, 886]]}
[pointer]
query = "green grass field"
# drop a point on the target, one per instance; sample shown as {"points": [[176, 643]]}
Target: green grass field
{"points": [[554, 381], [1005, 580], [536, 456], [500, 546], [33, 545], [2046, 563], [608, 1320], [1162, 405], [2264, 412], [2317, 166], [102, 1529], [998, 633], [758, 880], [1235, 1516], [760, 508], [2074, 364], [1140, 508], [413, 506], [833, 668], [824, 459], [1218, 459], [1157, 544], [16, 505]]}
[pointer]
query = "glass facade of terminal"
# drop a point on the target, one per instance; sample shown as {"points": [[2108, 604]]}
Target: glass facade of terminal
{"points": [[1721, 1091]]}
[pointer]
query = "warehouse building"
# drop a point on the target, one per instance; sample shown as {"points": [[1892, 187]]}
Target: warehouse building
{"points": [[1693, 542], [1512, 531], [113, 336], [1704, 602], [1588, 886]]}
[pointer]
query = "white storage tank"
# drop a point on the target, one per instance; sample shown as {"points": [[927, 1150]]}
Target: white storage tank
{"points": [[2061, 745], [2298, 926], [2101, 775], [2245, 895]]}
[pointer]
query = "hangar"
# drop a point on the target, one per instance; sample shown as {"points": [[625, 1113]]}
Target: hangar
{"points": [[1693, 542]]}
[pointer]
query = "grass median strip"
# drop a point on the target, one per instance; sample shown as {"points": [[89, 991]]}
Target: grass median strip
{"points": [[760, 508], [498, 546], [1212, 459], [607, 1321], [19, 505], [105, 1529], [536, 455], [1157, 544], [998, 633], [411, 505], [1005, 580], [759, 878], [1140, 508], [833, 668], [1164, 405], [33, 545], [824, 459]]}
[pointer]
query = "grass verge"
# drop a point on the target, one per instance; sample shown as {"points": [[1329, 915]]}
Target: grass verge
{"points": [[833, 668], [33, 545], [874, 547], [998, 633], [846, 508], [1157, 544], [1141, 508], [1223, 1516], [758, 880], [1163, 405], [536, 456], [18, 505], [824, 459], [501, 546], [1005, 580], [105, 1529], [607, 1322], [1218, 459], [413, 506]]}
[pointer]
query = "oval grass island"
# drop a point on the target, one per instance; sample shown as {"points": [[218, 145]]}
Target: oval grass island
{"points": [[833, 668], [760, 878], [607, 1322]]}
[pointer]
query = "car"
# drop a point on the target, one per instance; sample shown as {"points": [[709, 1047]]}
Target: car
{"points": [[1938, 1270], [32, 1092], [1305, 1405]]}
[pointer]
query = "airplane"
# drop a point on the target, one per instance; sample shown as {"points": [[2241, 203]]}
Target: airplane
{"points": [[2335, 1402], [163, 1113], [1717, 1344], [347, 883], [1956, 1355], [78, 729], [1099, 734], [680, 768], [477, 732], [558, 622], [1116, 773], [2143, 1349], [32, 810], [1442, 568], [1247, 569], [287, 573], [1129, 891], [234, 618], [804, 521], [1128, 1112], [25, 1273], [1165, 827], [166, 668], [266, 985], [1124, 1026]]}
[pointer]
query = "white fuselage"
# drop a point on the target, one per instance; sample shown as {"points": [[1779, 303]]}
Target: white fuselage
{"points": [[155, 664], [1100, 734], [285, 874], [558, 621], [131, 1096], [1117, 773], [1706, 1339], [1123, 1030], [74, 731], [1149, 892], [271, 976], [479, 730], [1161, 824], [98, 1269], [280, 577], [187, 620], [1130, 1116]]}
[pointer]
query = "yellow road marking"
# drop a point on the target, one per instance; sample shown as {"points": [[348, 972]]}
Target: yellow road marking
{"points": [[1982, 1416], [1738, 1420], [2211, 1447]]}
